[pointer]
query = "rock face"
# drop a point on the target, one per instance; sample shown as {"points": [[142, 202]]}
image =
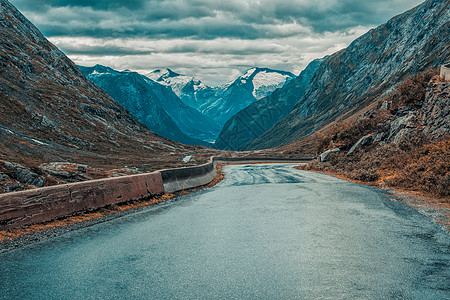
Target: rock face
{"points": [[154, 105], [258, 117], [366, 70], [435, 112], [430, 118]]}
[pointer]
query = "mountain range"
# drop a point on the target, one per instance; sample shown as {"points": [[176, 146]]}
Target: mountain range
{"points": [[155, 105], [182, 108], [261, 115], [223, 102]]}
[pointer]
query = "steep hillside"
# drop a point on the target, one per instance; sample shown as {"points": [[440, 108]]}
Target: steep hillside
{"points": [[57, 126], [368, 69], [258, 117], [154, 105], [404, 142]]}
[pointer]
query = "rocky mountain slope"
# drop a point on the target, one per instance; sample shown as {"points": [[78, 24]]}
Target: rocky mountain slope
{"points": [[260, 116], [154, 105], [368, 69], [57, 126], [404, 142], [221, 103]]}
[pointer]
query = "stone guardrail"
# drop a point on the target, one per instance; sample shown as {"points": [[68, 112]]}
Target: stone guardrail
{"points": [[48, 203], [445, 72]]}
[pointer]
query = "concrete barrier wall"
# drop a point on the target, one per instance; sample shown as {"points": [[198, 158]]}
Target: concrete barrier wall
{"points": [[48, 203], [445, 72], [45, 204], [189, 177]]}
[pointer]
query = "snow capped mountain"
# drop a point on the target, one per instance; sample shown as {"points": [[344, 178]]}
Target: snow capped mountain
{"points": [[258, 117], [221, 103], [190, 90], [155, 105], [246, 89], [265, 81]]}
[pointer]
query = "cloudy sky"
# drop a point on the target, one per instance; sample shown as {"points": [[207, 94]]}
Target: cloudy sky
{"points": [[213, 40]]}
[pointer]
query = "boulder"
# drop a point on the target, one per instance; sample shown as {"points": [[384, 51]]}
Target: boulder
{"points": [[25, 175], [399, 124], [326, 155], [379, 137], [362, 142], [435, 112]]}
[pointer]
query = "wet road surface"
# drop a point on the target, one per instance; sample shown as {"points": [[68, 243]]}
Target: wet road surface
{"points": [[265, 232]]}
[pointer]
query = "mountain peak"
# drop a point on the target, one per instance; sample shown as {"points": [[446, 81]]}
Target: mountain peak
{"points": [[171, 74]]}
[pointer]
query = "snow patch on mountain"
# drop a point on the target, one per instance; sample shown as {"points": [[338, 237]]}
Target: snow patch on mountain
{"points": [[266, 82]]}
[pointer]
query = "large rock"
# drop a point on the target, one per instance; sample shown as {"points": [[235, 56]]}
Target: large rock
{"points": [[361, 143], [326, 155], [400, 123], [25, 175]]}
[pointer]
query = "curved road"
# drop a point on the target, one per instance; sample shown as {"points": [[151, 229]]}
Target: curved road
{"points": [[265, 232]]}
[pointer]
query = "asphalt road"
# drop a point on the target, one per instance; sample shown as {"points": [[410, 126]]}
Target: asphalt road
{"points": [[265, 232]]}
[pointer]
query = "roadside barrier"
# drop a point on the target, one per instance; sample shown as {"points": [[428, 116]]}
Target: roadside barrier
{"points": [[48, 203]]}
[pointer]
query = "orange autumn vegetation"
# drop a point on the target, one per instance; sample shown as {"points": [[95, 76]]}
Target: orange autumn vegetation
{"points": [[417, 163], [407, 166]]}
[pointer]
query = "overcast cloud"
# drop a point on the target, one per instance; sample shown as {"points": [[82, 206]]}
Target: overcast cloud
{"points": [[213, 40]]}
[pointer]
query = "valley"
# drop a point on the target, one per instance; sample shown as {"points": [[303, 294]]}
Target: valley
{"points": [[108, 142]]}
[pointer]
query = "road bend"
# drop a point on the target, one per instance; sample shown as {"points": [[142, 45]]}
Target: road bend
{"points": [[266, 232]]}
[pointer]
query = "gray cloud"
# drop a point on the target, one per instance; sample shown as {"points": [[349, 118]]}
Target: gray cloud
{"points": [[216, 38], [203, 19]]}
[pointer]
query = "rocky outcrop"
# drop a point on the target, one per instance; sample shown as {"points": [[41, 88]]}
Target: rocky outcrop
{"points": [[325, 156], [400, 126], [430, 118], [361, 143], [367, 70], [25, 175], [434, 115]]}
